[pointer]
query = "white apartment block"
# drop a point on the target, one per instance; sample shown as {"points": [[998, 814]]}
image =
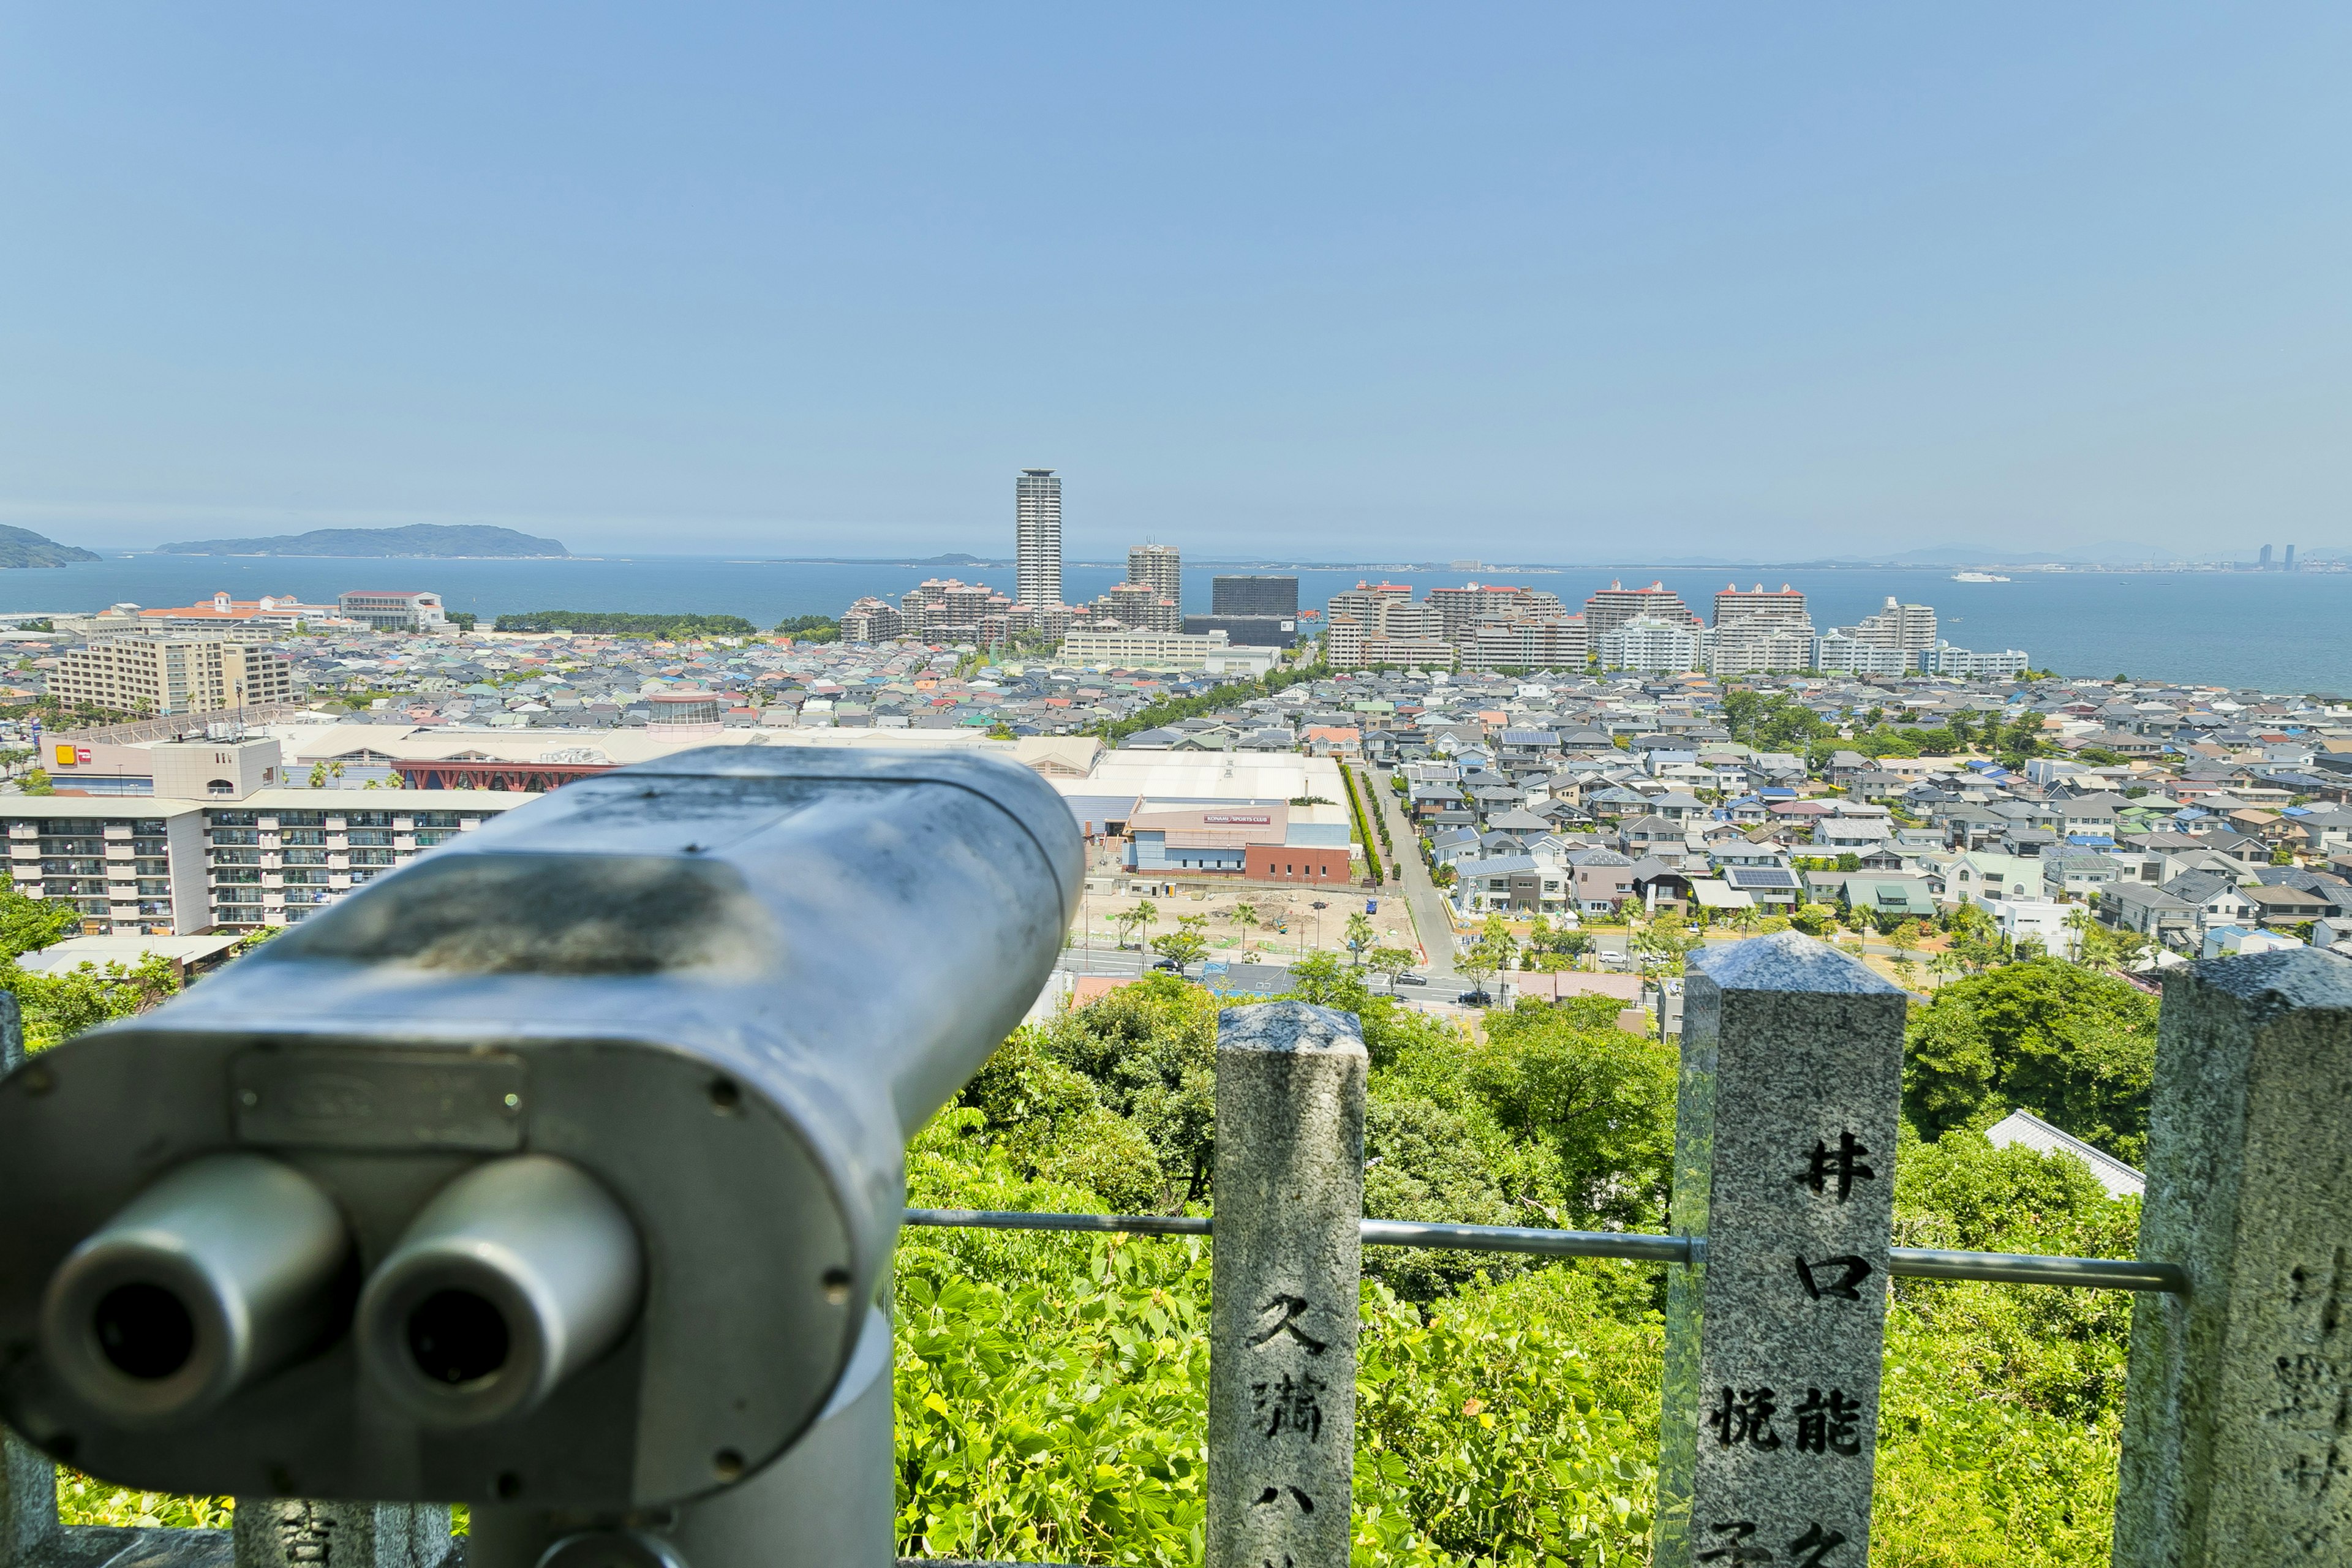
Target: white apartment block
{"points": [[1209, 651], [1839, 650], [1528, 644], [1352, 644], [1037, 538], [283, 854], [1653, 645], [176, 868], [128, 868], [1755, 644], [1946, 659], [389, 611], [1909, 629], [173, 673]]}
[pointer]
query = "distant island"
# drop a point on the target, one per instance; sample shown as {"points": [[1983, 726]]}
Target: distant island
{"points": [[424, 539], [23, 547]]}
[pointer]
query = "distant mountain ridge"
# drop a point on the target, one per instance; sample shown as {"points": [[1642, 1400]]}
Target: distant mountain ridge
{"points": [[420, 539], [23, 547]]}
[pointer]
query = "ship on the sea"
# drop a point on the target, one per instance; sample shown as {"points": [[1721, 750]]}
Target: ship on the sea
{"points": [[1978, 577]]}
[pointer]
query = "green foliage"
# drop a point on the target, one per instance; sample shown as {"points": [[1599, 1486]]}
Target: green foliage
{"points": [[1598, 1100], [1778, 724], [82, 1500], [1815, 919], [37, 781], [1223, 695], [1182, 946], [2075, 1048], [1147, 1052], [1050, 1390], [59, 1007], [810, 628], [1516, 1425], [27, 925], [626, 624], [1363, 827], [1999, 1413]]}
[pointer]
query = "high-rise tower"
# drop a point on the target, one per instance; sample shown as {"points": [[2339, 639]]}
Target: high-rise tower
{"points": [[1037, 530], [1157, 566]]}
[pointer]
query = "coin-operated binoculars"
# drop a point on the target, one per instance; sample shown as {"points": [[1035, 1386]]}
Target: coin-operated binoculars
{"points": [[554, 1174]]}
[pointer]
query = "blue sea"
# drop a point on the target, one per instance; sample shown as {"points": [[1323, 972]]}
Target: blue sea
{"points": [[2274, 631]]}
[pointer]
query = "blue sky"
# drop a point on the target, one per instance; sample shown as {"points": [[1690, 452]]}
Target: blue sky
{"points": [[1548, 282]]}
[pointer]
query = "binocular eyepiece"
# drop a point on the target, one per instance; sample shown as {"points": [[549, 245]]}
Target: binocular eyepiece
{"points": [[557, 1167], [221, 1273], [515, 1275]]}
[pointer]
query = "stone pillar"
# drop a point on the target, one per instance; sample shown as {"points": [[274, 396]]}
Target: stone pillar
{"points": [[2237, 1441], [284, 1532], [29, 1500], [1285, 1266], [1784, 1176], [12, 1031]]}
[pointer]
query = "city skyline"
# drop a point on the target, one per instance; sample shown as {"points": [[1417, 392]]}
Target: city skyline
{"points": [[1536, 286]]}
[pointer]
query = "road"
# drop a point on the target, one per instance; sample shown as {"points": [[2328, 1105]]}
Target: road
{"points": [[1430, 919]]}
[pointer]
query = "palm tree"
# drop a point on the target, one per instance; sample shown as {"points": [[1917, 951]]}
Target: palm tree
{"points": [[1143, 914], [1360, 935]]}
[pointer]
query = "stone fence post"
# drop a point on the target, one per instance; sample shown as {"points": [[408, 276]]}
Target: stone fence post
{"points": [[12, 1031], [280, 1532], [2238, 1429], [1784, 1175], [28, 1502], [1284, 1283]]}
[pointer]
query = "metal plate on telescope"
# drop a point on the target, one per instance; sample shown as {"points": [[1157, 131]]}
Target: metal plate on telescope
{"points": [[326, 1098]]}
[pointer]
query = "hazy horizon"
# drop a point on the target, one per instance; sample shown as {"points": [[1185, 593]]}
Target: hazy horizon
{"points": [[1392, 283]]}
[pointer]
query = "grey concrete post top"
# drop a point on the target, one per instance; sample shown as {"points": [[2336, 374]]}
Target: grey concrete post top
{"points": [[1295, 1026], [2302, 977], [1788, 961]]}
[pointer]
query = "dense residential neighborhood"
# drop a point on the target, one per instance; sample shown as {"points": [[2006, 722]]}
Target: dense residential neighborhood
{"points": [[2202, 820], [2205, 820]]}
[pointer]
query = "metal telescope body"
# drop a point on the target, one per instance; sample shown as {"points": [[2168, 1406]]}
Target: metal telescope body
{"points": [[556, 1171]]}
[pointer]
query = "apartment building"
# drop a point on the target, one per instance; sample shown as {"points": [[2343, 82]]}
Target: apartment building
{"points": [[1613, 606], [170, 675], [1166, 650], [1160, 568], [1906, 628], [128, 868], [176, 868], [1462, 611], [1037, 538], [1139, 606], [1528, 644], [393, 610], [1353, 645], [1651, 643], [281, 854], [1784, 606]]}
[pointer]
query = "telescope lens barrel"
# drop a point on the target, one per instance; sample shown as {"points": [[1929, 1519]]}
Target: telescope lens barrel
{"points": [[224, 1271], [515, 1275]]}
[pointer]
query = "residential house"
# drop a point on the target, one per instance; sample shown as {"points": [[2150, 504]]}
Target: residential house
{"points": [[2150, 910]]}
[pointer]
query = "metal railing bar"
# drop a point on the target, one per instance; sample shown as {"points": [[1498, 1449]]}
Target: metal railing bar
{"points": [[2025, 1269], [1906, 1262], [1023, 1219], [1523, 1238]]}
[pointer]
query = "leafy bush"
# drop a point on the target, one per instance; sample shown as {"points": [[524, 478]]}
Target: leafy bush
{"points": [[2075, 1048]]}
